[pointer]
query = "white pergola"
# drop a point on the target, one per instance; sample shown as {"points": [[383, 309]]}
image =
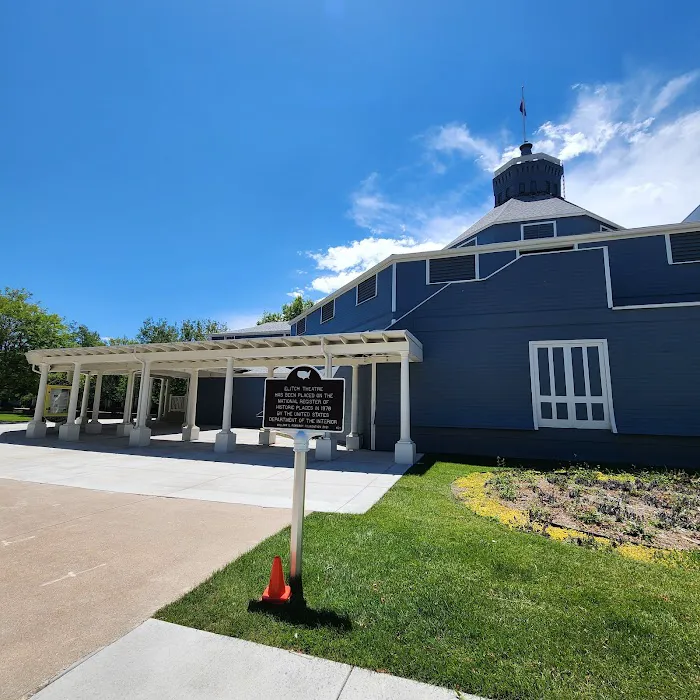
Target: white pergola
{"points": [[190, 360]]}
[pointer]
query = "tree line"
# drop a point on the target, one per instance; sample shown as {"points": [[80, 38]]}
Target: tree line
{"points": [[26, 325]]}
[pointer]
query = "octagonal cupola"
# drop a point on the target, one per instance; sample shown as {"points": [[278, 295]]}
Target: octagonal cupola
{"points": [[529, 175]]}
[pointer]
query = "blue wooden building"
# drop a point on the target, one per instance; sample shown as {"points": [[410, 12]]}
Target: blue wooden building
{"points": [[548, 331]]}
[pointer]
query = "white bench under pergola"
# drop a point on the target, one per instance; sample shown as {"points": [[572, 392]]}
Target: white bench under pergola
{"points": [[187, 360]]}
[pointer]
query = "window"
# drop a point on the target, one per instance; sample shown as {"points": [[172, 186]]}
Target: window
{"points": [[328, 311], [521, 188], [218, 337], [605, 228], [367, 289], [508, 192], [570, 384], [461, 268], [499, 199], [684, 247], [543, 229], [533, 186], [548, 186], [471, 241], [301, 326]]}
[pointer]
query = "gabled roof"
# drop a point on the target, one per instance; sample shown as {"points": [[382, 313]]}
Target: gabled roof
{"points": [[262, 328], [527, 209], [694, 215]]}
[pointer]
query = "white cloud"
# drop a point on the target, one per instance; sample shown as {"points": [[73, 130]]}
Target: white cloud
{"points": [[394, 228], [457, 139], [629, 157]]}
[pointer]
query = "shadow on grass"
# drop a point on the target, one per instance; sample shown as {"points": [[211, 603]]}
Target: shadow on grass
{"points": [[302, 615]]}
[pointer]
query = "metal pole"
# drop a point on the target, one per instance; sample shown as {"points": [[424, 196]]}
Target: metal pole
{"points": [[301, 449]]}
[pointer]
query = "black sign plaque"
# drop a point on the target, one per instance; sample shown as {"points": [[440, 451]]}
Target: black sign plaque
{"points": [[304, 401]]}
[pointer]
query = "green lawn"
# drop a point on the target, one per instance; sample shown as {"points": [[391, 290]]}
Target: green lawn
{"points": [[421, 587], [14, 418]]}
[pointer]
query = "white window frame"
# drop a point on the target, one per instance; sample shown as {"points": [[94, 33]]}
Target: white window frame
{"points": [[357, 292], [332, 301], [608, 422], [476, 271], [536, 223], [669, 253]]}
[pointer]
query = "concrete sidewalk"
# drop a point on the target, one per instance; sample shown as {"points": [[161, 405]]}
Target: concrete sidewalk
{"points": [[162, 660]]}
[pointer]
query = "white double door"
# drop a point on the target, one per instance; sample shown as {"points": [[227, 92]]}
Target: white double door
{"points": [[571, 384]]}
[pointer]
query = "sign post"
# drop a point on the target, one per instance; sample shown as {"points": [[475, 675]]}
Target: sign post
{"points": [[304, 405]]}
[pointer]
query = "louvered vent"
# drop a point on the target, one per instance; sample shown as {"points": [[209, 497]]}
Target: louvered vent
{"points": [[685, 247], [301, 326], [545, 230], [328, 311], [367, 289], [461, 268]]}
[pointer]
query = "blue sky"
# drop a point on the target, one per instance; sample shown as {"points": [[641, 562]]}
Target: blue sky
{"points": [[209, 158]]}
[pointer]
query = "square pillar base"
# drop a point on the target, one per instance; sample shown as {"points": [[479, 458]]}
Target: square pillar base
{"points": [[94, 427], [190, 432], [140, 436], [326, 448], [266, 437], [69, 432], [36, 430], [405, 452], [353, 442], [225, 441], [124, 429]]}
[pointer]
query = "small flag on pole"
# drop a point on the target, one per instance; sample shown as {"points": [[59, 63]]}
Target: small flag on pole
{"points": [[522, 108]]}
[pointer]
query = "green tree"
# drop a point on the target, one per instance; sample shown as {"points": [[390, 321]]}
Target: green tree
{"points": [[83, 337], [24, 326], [289, 311], [199, 329]]}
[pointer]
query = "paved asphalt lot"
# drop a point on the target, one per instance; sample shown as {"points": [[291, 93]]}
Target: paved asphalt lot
{"points": [[80, 568]]}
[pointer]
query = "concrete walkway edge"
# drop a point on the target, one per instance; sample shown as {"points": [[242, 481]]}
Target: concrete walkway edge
{"points": [[159, 659]]}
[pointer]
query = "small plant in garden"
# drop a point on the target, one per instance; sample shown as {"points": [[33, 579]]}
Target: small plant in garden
{"points": [[504, 483]]}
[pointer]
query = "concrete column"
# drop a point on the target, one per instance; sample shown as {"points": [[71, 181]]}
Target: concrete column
{"points": [[225, 439], [124, 428], [187, 398], [405, 449], [327, 446], [149, 410], [190, 430], [94, 427], [166, 399], [70, 430], [266, 436], [161, 396], [84, 402], [37, 427], [354, 441], [140, 435]]}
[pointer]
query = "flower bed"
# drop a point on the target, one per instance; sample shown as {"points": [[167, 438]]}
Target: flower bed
{"points": [[651, 516]]}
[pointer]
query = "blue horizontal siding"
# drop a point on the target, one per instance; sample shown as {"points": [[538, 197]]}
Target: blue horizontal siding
{"points": [[374, 314], [475, 336], [640, 273]]}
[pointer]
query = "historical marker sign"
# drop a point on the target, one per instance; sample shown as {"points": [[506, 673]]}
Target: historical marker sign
{"points": [[304, 401]]}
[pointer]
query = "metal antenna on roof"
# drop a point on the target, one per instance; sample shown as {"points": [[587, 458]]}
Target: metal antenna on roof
{"points": [[523, 111]]}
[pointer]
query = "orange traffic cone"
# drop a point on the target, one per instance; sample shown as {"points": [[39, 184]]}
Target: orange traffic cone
{"points": [[276, 591]]}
